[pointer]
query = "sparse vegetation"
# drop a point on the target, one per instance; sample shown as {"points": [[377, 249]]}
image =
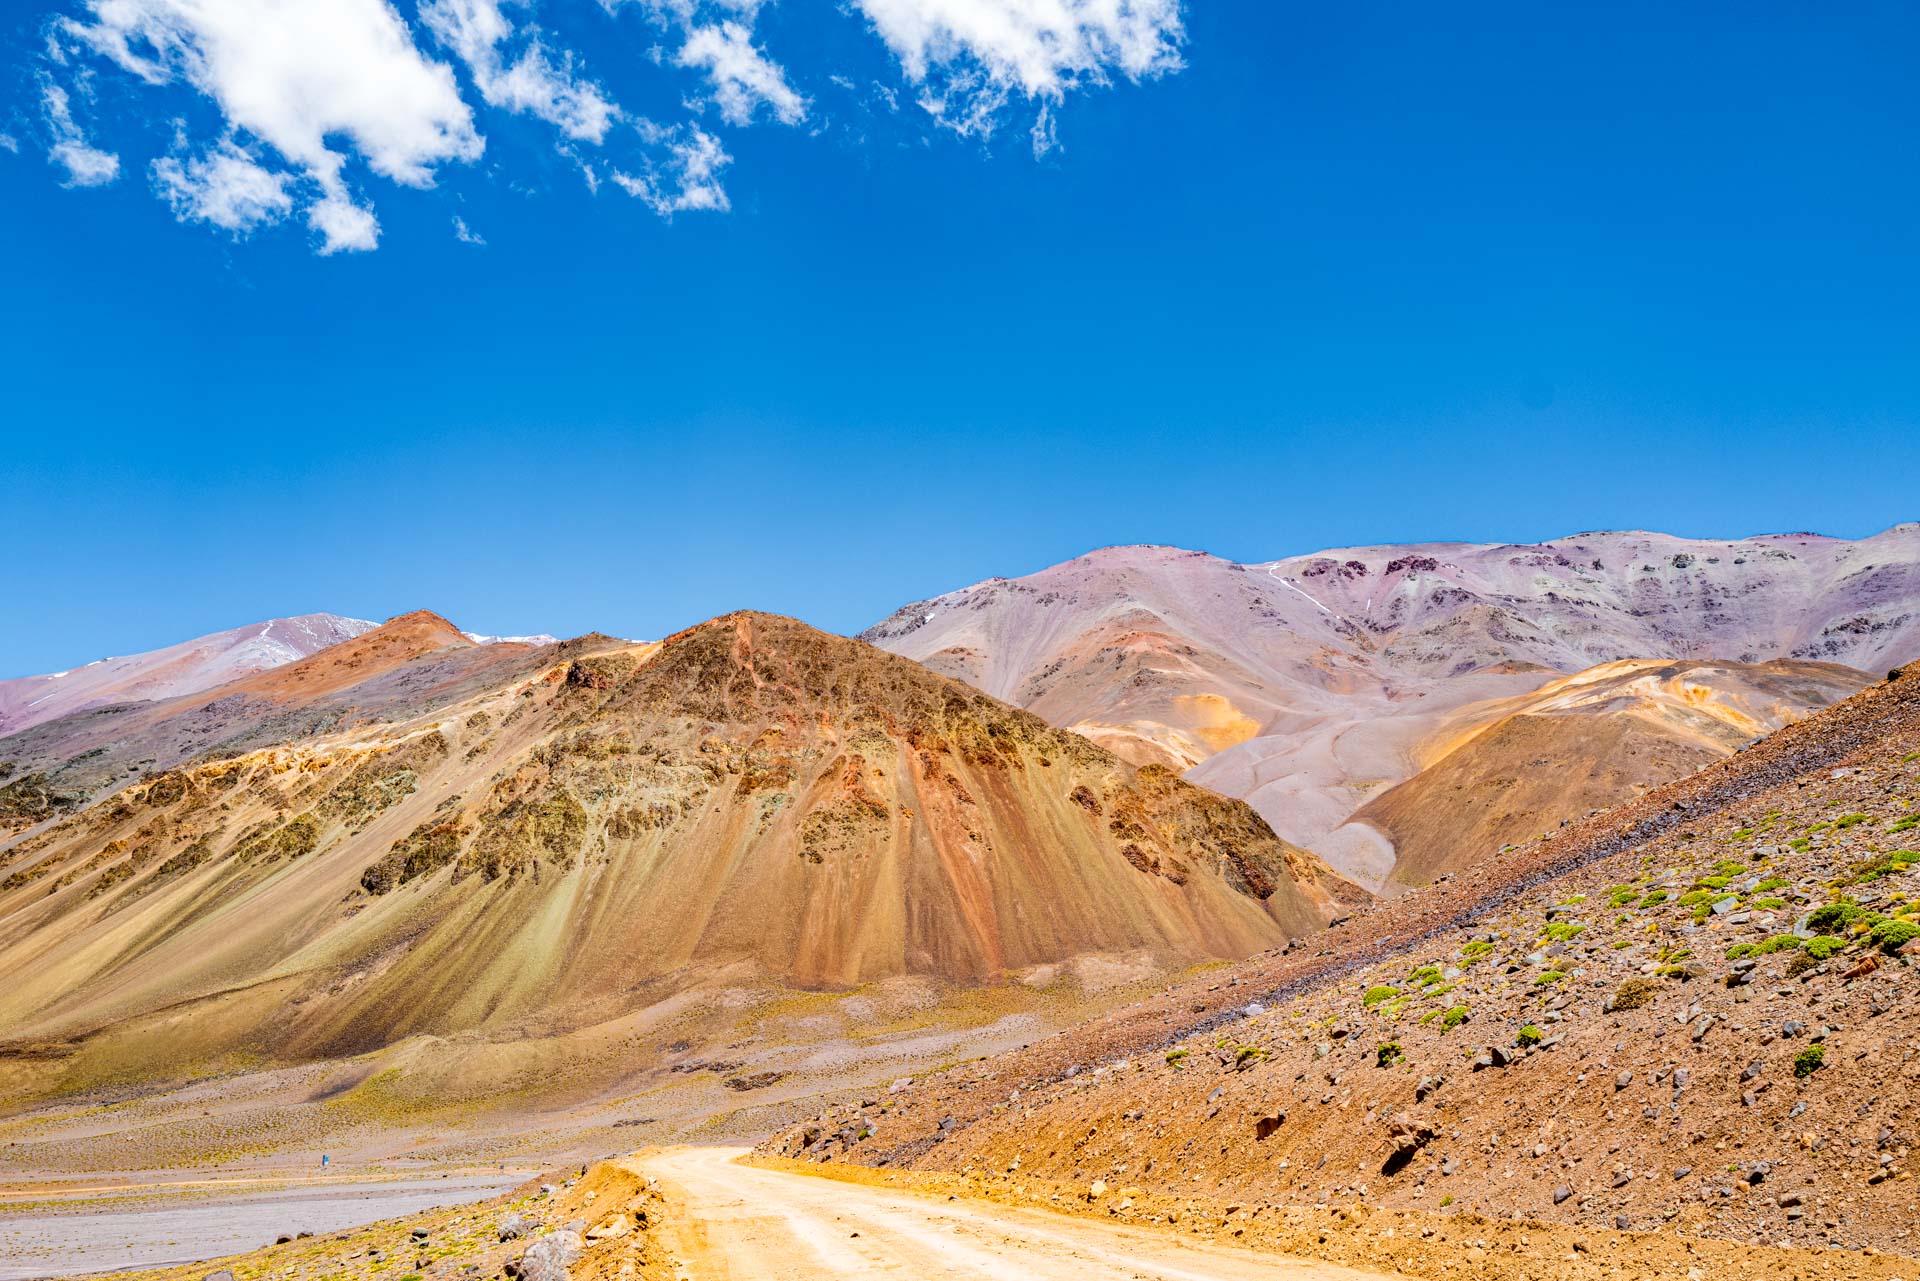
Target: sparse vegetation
{"points": [[1767, 947], [1809, 1060]]}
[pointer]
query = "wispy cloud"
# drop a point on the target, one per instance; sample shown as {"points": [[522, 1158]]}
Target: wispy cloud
{"points": [[545, 85], [85, 164], [684, 173], [465, 234], [972, 58], [743, 77], [226, 187]]}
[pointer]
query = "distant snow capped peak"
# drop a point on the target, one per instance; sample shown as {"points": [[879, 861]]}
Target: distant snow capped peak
{"points": [[185, 668], [540, 638]]}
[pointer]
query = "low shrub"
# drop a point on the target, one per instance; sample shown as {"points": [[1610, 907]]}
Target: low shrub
{"points": [[1890, 935], [1834, 916], [1635, 993], [1809, 1061], [1822, 947]]}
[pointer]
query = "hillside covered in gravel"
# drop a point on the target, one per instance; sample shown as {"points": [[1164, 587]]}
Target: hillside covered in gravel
{"points": [[1693, 1013]]}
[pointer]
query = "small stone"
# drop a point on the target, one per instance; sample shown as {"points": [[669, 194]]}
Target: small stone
{"points": [[1682, 1172], [1561, 1193], [1622, 1081]]}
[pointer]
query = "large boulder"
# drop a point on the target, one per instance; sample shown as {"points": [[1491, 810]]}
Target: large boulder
{"points": [[549, 1258]]}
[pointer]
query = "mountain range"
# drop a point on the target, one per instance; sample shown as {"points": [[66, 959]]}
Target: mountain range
{"points": [[486, 861], [401, 880], [1312, 685], [178, 669]]}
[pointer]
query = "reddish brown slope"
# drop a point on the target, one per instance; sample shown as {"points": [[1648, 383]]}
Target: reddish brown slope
{"points": [[1653, 947], [1503, 772]]}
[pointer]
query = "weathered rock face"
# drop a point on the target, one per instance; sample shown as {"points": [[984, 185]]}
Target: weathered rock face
{"points": [[1308, 685], [552, 851]]}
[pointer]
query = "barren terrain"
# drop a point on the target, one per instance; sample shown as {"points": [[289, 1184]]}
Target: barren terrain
{"points": [[1694, 1013], [1308, 686]]}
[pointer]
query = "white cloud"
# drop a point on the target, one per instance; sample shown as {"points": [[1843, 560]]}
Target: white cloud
{"points": [[533, 83], [311, 89], [86, 165], [343, 225], [972, 56], [686, 177], [742, 75], [10, 143], [226, 187], [294, 74], [465, 234]]}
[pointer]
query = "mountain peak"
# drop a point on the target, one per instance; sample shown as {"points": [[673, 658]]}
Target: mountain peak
{"points": [[423, 623]]}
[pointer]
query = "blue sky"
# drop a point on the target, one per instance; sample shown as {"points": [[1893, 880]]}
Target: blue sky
{"points": [[1287, 277]]}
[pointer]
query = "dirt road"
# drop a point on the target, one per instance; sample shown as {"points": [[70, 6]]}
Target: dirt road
{"points": [[746, 1224]]}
